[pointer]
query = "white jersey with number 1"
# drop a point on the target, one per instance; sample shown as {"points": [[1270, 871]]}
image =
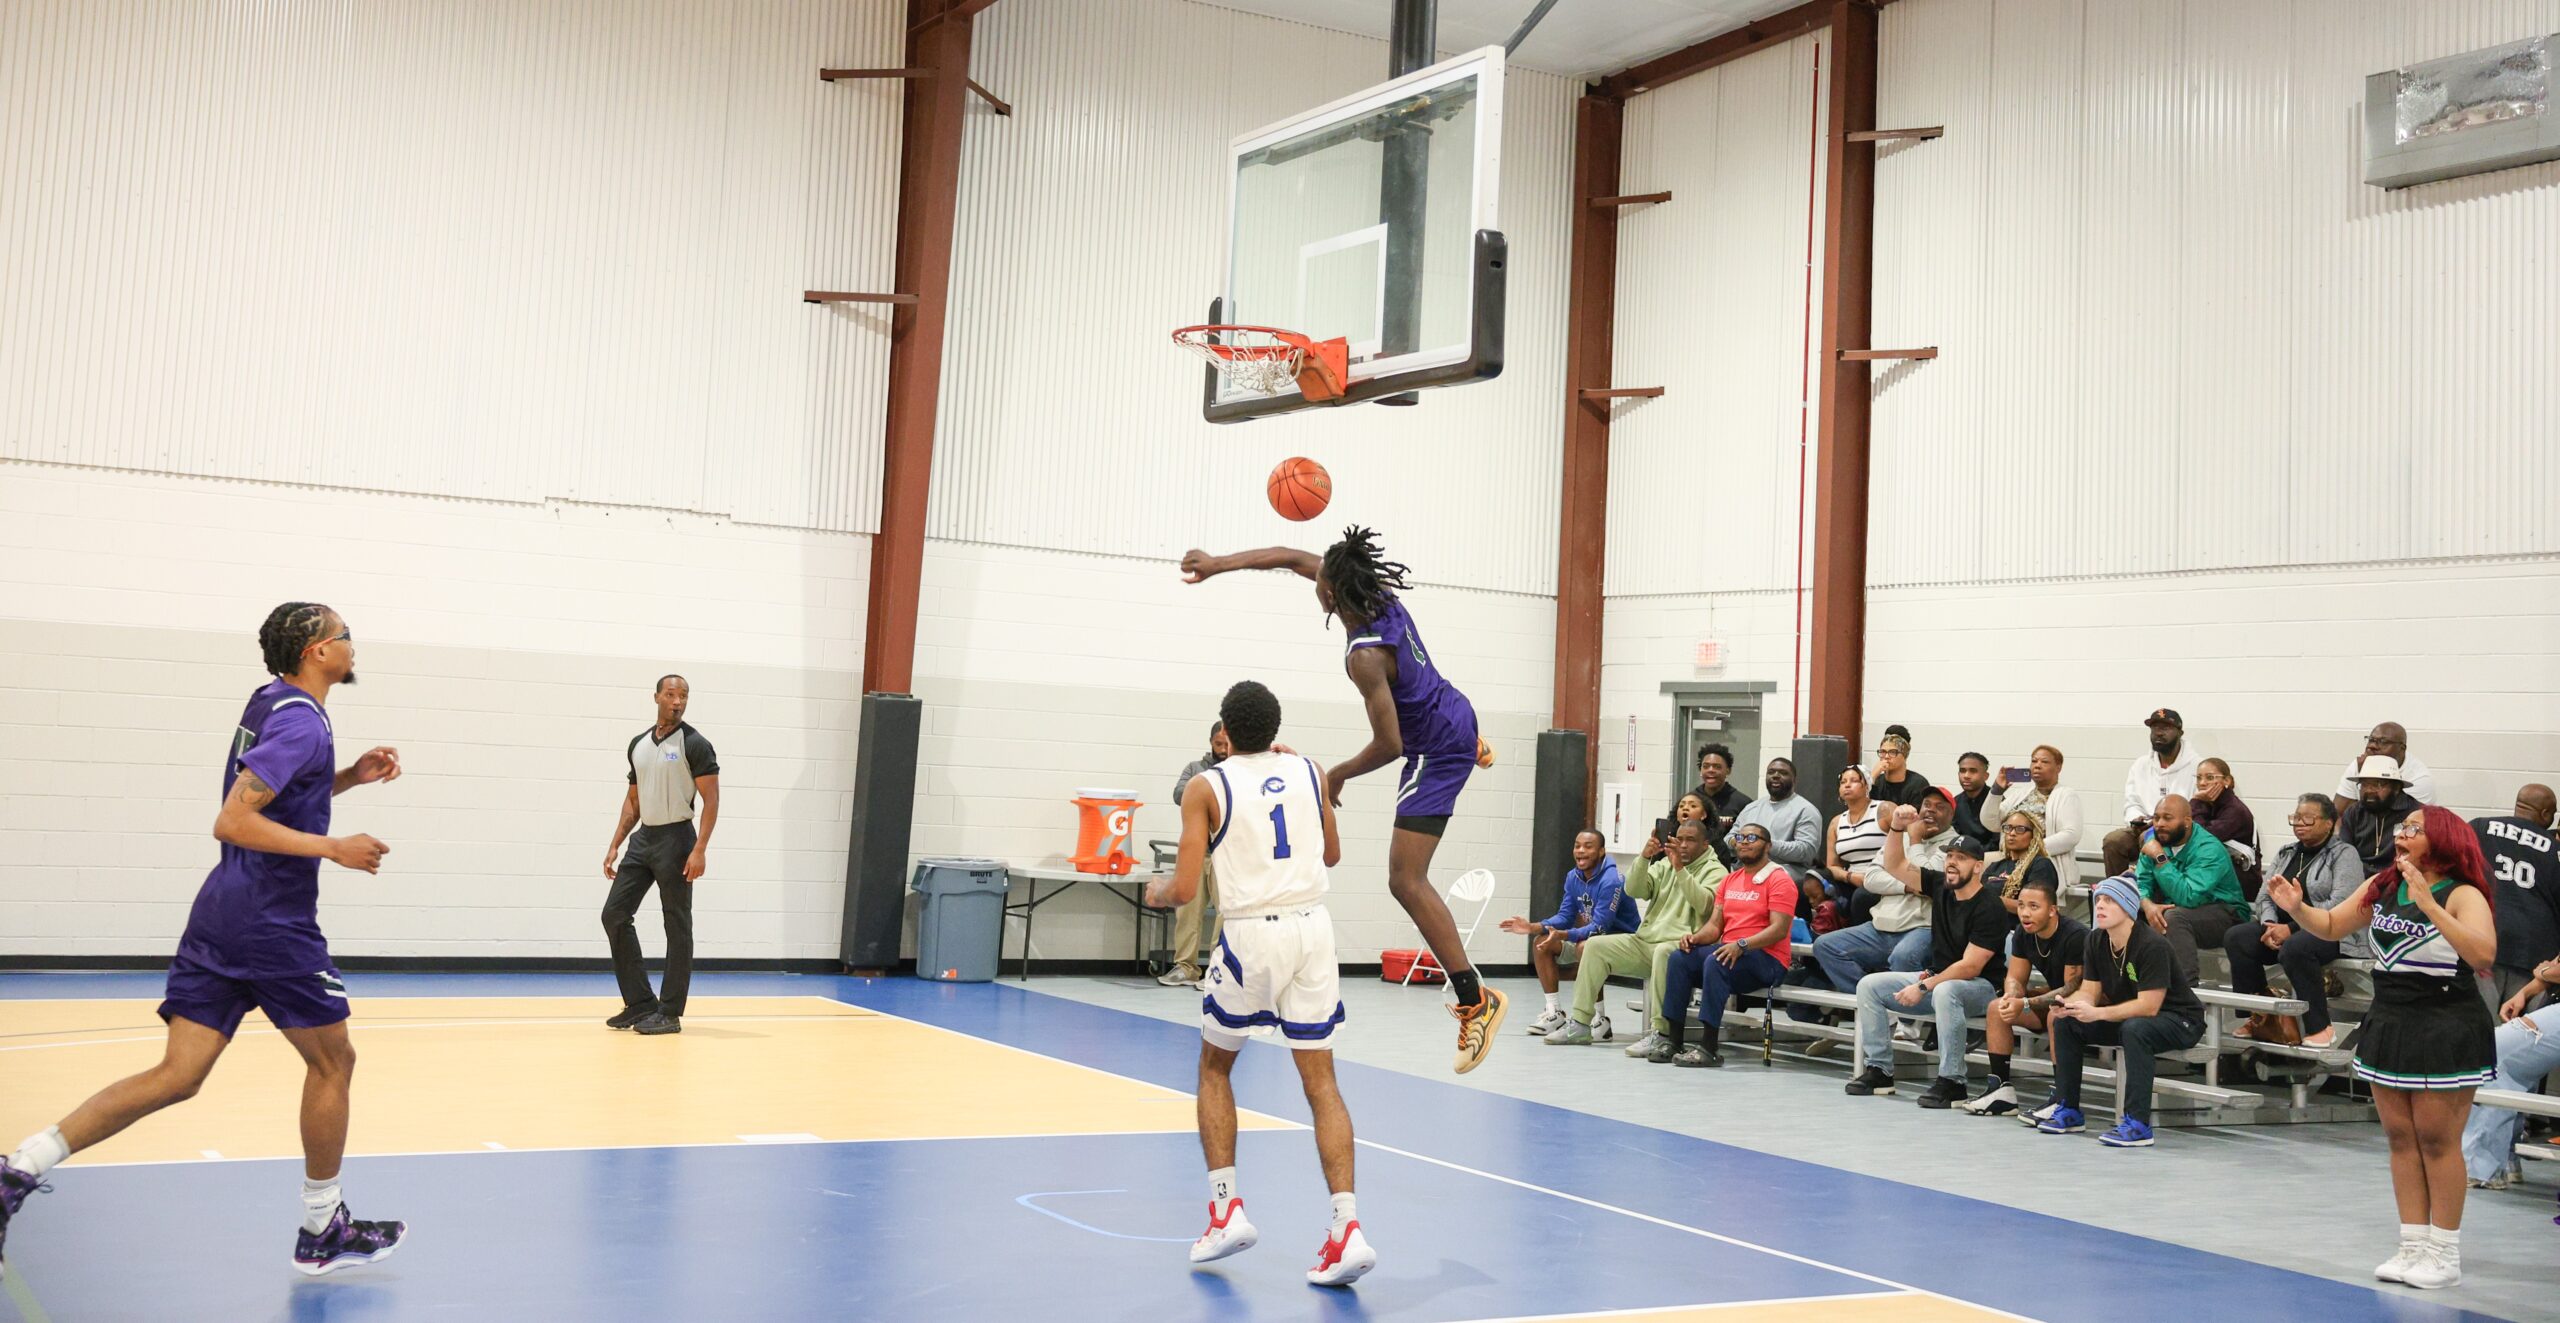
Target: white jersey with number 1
{"points": [[1268, 849]]}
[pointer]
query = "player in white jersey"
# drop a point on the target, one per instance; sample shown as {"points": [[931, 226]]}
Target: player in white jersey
{"points": [[1264, 818]]}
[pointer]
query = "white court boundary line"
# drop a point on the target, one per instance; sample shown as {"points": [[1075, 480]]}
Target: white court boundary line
{"points": [[1642, 1311], [1735, 1241]]}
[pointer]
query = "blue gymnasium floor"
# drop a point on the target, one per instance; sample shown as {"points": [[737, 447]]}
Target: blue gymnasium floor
{"points": [[1481, 1206]]}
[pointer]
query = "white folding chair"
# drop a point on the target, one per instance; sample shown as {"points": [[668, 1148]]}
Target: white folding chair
{"points": [[1476, 885]]}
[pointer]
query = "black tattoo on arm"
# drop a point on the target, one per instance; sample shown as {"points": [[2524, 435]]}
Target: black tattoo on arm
{"points": [[250, 792]]}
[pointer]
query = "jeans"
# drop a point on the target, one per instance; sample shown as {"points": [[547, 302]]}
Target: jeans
{"points": [[1951, 1003], [2489, 1137], [1849, 954], [1699, 971], [2142, 1040], [2303, 956]]}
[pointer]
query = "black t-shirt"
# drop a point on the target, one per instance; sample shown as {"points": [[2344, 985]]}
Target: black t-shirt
{"points": [[2051, 956], [1727, 803], [1996, 877], [2525, 868], [1911, 789], [1970, 821], [2145, 964], [1956, 924]]}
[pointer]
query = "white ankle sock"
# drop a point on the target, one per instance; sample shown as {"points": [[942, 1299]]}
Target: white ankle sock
{"points": [[2450, 1241], [1345, 1211], [1222, 1185], [320, 1200], [1551, 1003], [2412, 1232], [41, 1151]]}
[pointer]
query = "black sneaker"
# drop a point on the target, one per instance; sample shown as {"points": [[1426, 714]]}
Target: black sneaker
{"points": [[1944, 1092], [631, 1015], [1662, 1053], [15, 1186], [346, 1243], [1871, 1082], [1698, 1057], [658, 1022]]}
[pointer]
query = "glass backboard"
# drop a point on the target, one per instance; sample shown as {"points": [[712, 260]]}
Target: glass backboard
{"points": [[1374, 219]]}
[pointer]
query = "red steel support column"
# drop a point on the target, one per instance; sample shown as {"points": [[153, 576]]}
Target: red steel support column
{"points": [[1836, 682], [1582, 531], [928, 207]]}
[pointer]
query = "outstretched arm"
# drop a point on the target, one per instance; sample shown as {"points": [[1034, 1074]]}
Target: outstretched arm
{"points": [[1198, 565], [1368, 668]]}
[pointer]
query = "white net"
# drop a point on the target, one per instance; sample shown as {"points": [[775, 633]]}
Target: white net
{"points": [[1249, 358]]}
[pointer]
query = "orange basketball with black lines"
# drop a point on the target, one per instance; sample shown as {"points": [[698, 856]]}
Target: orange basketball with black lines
{"points": [[1300, 489]]}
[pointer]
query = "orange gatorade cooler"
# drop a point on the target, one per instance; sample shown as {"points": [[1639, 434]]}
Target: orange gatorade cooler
{"points": [[1104, 821]]}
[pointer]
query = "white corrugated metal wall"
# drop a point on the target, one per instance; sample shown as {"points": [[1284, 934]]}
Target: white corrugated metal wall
{"points": [[500, 252], [2179, 333], [1091, 225], [1712, 306]]}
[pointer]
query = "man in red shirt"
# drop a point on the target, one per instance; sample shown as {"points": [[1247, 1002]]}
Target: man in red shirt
{"points": [[1741, 947]]}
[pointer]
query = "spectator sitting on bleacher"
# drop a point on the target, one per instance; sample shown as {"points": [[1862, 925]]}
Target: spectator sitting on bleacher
{"points": [[1742, 947], [1695, 805], [2389, 740], [1716, 787], [1795, 825], [1595, 903], [2021, 859], [2133, 998], [2055, 806], [2190, 893], [1679, 880], [1850, 846], [1893, 781], [1967, 928], [2047, 945], [2528, 1050], [2525, 868], [2169, 769], [1896, 936], [2382, 804], [2219, 809], [2328, 872], [1977, 804]]}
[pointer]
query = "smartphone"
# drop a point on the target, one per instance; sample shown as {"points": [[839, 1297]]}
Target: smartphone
{"points": [[2017, 775], [1662, 830]]}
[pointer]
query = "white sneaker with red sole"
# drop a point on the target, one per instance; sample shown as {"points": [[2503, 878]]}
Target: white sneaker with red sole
{"points": [[1345, 1259], [1228, 1233]]}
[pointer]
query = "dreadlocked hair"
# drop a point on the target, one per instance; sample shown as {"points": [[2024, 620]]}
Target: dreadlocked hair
{"points": [[288, 630], [1364, 581]]}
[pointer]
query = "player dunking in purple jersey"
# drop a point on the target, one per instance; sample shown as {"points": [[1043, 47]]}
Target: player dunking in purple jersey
{"points": [[254, 939], [1414, 714]]}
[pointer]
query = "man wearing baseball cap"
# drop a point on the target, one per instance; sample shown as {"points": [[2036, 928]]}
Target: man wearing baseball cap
{"points": [[2169, 769], [2131, 996], [1967, 926]]}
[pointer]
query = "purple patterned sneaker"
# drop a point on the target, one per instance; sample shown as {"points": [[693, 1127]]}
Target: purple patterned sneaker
{"points": [[346, 1244], [15, 1186]]}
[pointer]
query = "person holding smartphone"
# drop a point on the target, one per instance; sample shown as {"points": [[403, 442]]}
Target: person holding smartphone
{"points": [[2036, 789]]}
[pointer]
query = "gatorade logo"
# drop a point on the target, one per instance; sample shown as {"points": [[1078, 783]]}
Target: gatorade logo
{"points": [[1117, 822]]}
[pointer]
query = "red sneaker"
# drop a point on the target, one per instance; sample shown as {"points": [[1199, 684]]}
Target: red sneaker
{"points": [[1228, 1233], [1345, 1259]]}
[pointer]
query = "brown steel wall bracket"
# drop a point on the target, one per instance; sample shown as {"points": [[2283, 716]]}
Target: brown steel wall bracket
{"points": [[1871, 355], [1632, 199], [831, 296], [1897, 135], [1623, 393]]}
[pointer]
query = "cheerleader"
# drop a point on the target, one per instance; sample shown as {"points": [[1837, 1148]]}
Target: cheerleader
{"points": [[2428, 1042]]}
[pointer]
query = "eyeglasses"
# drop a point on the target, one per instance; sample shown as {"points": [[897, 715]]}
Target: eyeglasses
{"points": [[2303, 822], [342, 636], [2404, 831], [1749, 836], [2018, 827]]}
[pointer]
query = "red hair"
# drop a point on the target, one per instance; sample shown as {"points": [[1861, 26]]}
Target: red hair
{"points": [[2452, 851]]}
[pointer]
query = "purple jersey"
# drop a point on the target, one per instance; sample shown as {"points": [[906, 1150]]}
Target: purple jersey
{"points": [[258, 914], [1433, 718]]}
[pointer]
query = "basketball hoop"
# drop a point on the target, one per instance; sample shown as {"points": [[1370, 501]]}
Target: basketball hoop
{"points": [[1265, 360]]}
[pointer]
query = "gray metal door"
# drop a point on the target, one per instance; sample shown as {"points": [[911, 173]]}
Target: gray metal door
{"points": [[1732, 720]]}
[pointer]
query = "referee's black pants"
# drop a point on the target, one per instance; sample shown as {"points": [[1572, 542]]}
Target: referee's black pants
{"points": [[655, 856]]}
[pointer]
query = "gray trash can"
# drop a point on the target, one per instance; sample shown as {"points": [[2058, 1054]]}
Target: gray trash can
{"points": [[960, 932]]}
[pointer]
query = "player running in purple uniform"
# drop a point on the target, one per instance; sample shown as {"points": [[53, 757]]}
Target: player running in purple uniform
{"points": [[1414, 714], [254, 939]]}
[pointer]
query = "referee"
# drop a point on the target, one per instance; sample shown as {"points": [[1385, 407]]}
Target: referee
{"points": [[667, 764]]}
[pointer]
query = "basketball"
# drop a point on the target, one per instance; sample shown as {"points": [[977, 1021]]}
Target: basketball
{"points": [[1300, 489]]}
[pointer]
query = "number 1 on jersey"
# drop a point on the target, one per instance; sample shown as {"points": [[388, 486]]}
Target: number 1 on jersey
{"points": [[1279, 832]]}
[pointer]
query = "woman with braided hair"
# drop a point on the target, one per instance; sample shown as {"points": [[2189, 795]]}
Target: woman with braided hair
{"points": [[254, 939], [1414, 714]]}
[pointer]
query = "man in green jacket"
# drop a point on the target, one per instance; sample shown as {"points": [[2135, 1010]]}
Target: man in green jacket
{"points": [[1679, 882], [2190, 891]]}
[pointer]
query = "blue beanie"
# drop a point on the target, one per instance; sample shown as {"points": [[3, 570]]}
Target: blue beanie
{"points": [[2120, 890]]}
